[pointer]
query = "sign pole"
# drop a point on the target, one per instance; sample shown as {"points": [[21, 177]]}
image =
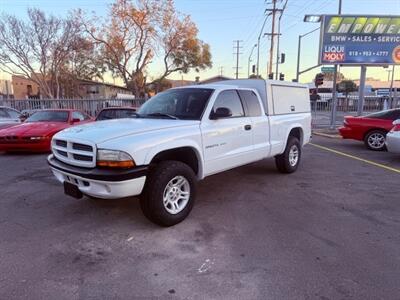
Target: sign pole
{"points": [[391, 90], [334, 99], [334, 96], [361, 91]]}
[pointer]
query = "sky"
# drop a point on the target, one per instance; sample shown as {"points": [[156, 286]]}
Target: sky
{"points": [[220, 22]]}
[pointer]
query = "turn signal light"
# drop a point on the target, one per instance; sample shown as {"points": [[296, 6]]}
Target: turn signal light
{"points": [[125, 164]]}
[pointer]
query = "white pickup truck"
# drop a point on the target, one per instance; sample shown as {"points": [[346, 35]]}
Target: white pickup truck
{"points": [[181, 136]]}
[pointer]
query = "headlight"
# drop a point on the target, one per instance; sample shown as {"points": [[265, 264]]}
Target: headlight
{"points": [[38, 138], [114, 159]]}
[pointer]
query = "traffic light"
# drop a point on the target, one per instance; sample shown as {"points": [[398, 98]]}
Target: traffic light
{"points": [[281, 76], [253, 69], [319, 79], [283, 57], [271, 76]]}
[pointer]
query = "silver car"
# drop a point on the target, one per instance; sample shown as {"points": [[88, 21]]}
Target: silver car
{"points": [[393, 138], [9, 117]]}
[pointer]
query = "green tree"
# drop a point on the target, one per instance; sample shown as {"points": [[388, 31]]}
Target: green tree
{"points": [[346, 87]]}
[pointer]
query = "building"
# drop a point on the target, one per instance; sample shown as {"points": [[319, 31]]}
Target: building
{"points": [[179, 83], [6, 89], [100, 90], [24, 88], [214, 79], [378, 84]]}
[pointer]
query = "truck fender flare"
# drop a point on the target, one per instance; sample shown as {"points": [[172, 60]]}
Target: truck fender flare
{"points": [[175, 145], [293, 126]]}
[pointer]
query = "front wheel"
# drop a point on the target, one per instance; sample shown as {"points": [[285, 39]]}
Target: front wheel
{"points": [[288, 161], [169, 194]]}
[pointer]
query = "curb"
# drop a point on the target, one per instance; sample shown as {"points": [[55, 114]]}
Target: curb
{"points": [[331, 136]]}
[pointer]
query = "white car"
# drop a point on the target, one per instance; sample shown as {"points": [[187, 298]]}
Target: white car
{"points": [[393, 138], [181, 136]]}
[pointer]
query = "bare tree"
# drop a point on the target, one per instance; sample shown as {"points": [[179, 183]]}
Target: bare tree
{"points": [[38, 48]]}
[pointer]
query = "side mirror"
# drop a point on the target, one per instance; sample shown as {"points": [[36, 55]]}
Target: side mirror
{"points": [[75, 121], [220, 113], [396, 122]]}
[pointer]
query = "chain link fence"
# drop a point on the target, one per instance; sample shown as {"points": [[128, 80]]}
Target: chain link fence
{"points": [[89, 106]]}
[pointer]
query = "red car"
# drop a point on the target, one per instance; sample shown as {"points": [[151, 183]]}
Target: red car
{"points": [[34, 135], [371, 129]]}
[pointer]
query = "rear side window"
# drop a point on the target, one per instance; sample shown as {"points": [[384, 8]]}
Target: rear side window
{"points": [[230, 99], [393, 114], [253, 104]]}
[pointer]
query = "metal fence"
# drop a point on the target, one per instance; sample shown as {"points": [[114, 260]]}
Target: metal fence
{"points": [[90, 106], [322, 108]]}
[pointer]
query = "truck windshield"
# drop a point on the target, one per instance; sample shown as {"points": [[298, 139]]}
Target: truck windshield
{"points": [[186, 104]]}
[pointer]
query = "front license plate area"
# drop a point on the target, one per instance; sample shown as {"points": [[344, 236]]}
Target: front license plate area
{"points": [[72, 190]]}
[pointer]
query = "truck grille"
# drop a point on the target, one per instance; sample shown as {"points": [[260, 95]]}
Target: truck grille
{"points": [[74, 153]]}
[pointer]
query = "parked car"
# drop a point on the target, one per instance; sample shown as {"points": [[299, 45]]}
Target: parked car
{"points": [[110, 113], [34, 135], [371, 129], [180, 136], [393, 138], [9, 117]]}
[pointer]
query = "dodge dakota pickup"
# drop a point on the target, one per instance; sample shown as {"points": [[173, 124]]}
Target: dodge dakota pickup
{"points": [[181, 136]]}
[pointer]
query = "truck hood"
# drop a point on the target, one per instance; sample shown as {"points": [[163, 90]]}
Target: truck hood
{"points": [[102, 131]]}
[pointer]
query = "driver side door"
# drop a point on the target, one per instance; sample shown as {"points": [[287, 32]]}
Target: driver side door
{"points": [[227, 142]]}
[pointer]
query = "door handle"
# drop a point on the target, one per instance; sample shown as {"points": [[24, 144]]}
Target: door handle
{"points": [[247, 127]]}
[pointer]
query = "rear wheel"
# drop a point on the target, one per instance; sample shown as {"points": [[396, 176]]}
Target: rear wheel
{"points": [[375, 140], [169, 194], [288, 161]]}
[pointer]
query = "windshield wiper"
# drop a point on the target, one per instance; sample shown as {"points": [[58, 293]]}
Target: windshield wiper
{"points": [[162, 115]]}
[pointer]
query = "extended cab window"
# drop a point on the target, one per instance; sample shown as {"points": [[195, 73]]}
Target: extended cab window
{"points": [[229, 99], [252, 103]]}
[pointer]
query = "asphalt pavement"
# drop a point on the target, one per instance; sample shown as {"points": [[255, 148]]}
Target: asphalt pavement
{"points": [[329, 231]]}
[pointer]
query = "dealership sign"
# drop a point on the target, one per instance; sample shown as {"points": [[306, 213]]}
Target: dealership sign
{"points": [[356, 40]]}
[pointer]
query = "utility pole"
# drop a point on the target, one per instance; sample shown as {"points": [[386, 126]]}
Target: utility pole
{"points": [[277, 45], [237, 53], [221, 71], [271, 49]]}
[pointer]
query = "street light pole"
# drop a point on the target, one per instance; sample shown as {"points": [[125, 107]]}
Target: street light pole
{"points": [[248, 66], [299, 49]]}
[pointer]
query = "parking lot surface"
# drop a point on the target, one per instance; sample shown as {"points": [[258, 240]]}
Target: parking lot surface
{"points": [[329, 231]]}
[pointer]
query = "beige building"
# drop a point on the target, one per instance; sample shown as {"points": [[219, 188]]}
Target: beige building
{"points": [[99, 90], [6, 89], [24, 88]]}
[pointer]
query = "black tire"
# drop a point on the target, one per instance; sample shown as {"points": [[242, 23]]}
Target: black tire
{"points": [[152, 198], [375, 140], [283, 162]]}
